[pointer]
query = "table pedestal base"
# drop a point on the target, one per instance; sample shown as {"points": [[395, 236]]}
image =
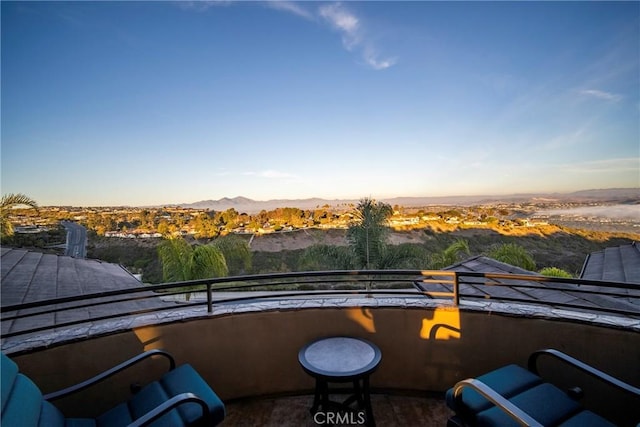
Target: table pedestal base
{"points": [[360, 394]]}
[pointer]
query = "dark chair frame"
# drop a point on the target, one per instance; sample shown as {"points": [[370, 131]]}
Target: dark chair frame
{"points": [[516, 413], [155, 413]]}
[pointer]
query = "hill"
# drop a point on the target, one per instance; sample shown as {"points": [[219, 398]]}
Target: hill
{"points": [[244, 204]]}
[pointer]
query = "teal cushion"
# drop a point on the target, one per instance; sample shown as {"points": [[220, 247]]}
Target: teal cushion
{"points": [[545, 403], [24, 404], [81, 422], [506, 381], [8, 372], [50, 416], [148, 398], [117, 416], [586, 419], [185, 379]]}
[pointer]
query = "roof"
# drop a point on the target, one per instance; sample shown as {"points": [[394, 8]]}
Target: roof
{"points": [[559, 294], [28, 276], [618, 263]]}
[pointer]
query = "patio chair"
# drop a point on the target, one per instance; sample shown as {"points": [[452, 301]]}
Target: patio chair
{"points": [[514, 396], [179, 398]]}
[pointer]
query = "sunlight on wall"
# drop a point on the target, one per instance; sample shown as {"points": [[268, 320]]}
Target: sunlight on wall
{"points": [[362, 316], [149, 337], [445, 324]]}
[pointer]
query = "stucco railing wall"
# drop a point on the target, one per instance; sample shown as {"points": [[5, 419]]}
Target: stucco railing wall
{"points": [[255, 353]]}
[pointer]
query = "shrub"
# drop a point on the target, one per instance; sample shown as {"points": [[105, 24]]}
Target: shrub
{"points": [[555, 272], [513, 254]]}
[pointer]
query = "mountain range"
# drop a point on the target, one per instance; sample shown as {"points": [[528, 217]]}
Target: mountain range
{"points": [[243, 204]]}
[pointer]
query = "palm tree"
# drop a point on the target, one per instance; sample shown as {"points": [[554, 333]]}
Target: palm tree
{"points": [[450, 255], [368, 247], [368, 234], [513, 254], [8, 202], [182, 262], [236, 253]]}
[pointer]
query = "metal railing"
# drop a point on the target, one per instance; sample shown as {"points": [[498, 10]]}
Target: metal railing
{"points": [[596, 296]]}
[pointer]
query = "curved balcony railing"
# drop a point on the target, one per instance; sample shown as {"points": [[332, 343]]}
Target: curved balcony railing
{"points": [[602, 297]]}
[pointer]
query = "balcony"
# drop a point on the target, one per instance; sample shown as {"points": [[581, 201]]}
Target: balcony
{"points": [[243, 335]]}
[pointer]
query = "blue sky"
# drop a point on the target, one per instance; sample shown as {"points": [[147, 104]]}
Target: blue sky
{"points": [[145, 103]]}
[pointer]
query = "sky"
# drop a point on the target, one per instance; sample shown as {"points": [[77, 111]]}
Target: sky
{"points": [[152, 103]]}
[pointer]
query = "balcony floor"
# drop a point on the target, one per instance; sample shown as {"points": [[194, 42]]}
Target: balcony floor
{"points": [[388, 410]]}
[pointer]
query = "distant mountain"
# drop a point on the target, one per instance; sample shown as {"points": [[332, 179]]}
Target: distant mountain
{"points": [[244, 204]]}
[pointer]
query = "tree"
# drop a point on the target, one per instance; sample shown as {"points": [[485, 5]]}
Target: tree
{"points": [[450, 255], [236, 253], [327, 257], [182, 262], [513, 254], [367, 235], [8, 202], [368, 247]]}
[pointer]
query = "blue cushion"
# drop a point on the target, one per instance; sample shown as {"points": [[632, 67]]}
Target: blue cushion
{"points": [[80, 422], [506, 381], [185, 379], [586, 419], [24, 404], [148, 398], [9, 370], [545, 403], [50, 416], [117, 416]]}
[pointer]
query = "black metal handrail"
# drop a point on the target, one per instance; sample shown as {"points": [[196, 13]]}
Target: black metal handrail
{"points": [[428, 283]]}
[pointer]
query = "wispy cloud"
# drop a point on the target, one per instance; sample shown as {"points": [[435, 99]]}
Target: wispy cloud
{"points": [[599, 94], [291, 7], [351, 28], [343, 21], [626, 164], [354, 35], [271, 174], [202, 5], [568, 139]]}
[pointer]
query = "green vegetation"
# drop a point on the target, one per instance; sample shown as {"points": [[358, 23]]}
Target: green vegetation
{"points": [[182, 261], [368, 247], [566, 251], [511, 253], [7, 203], [368, 235], [555, 272], [450, 255]]}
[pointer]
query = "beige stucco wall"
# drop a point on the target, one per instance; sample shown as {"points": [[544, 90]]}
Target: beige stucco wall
{"points": [[255, 353]]}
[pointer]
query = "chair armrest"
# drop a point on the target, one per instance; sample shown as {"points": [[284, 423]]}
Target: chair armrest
{"points": [[532, 365], [169, 405], [497, 399], [106, 374]]}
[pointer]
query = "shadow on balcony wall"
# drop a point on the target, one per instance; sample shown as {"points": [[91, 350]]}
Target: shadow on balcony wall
{"points": [[254, 352]]}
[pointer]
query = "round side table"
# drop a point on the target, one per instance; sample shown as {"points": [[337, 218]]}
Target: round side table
{"points": [[341, 360]]}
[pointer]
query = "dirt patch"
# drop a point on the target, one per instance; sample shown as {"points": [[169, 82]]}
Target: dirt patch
{"points": [[301, 239], [297, 239], [413, 236]]}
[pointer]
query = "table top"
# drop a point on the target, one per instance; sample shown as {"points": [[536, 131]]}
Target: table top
{"points": [[340, 357]]}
